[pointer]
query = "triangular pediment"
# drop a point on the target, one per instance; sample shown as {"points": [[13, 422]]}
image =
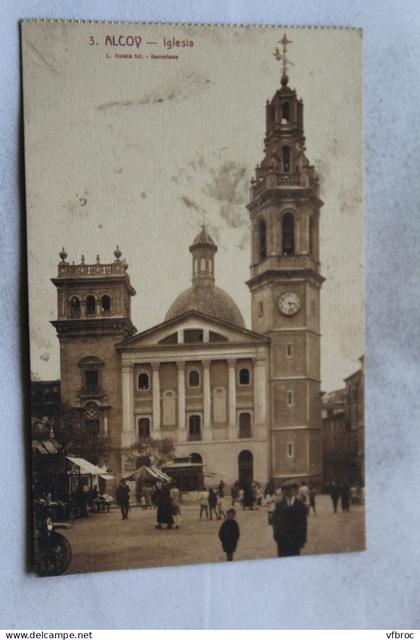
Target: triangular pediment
{"points": [[189, 325]]}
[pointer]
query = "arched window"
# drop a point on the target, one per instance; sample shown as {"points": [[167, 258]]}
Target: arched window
{"points": [[244, 376], [286, 159], [311, 236], [288, 233], [144, 428], [194, 428], [260, 309], [194, 378], [90, 306], [244, 425], [285, 111], [143, 381], [262, 238], [74, 307], [196, 458], [106, 304], [202, 264]]}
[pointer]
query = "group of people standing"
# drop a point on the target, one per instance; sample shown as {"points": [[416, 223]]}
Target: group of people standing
{"points": [[166, 497], [340, 491], [248, 494], [287, 509], [212, 502], [168, 500]]}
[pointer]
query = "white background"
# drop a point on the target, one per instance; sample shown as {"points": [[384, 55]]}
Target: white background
{"points": [[377, 588]]}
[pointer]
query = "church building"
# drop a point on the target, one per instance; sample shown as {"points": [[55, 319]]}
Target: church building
{"points": [[244, 402]]}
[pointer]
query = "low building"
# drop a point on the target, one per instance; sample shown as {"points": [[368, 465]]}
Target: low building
{"points": [[355, 400], [343, 430]]}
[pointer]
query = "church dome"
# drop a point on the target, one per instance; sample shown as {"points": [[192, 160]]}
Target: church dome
{"points": [[204, 296], [207, 299]]}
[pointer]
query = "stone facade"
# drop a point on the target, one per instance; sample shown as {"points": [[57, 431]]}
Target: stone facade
{"points": [[245, 402]]}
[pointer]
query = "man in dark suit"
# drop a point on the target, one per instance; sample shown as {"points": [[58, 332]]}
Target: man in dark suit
{"points": [[289, 522]]}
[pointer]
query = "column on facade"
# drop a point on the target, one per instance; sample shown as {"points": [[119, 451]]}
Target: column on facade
{"points": [[155, 400], [182, 431], [232, 428], [128, 434], [260, 390], [207, 434]]}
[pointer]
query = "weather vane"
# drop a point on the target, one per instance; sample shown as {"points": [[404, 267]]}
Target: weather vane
{"points": [[282, 56]]}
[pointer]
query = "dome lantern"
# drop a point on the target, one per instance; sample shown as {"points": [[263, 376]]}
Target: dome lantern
{"points": [[204, 296], [203, 249]]}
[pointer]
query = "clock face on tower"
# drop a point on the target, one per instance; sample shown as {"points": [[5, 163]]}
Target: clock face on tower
{"points": [[289, 303]]}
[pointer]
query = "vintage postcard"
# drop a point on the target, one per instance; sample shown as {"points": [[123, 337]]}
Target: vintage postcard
{"points": [[195, 252]]}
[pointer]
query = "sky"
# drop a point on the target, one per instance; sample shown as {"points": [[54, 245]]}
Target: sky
{"points": [[140, 152]]}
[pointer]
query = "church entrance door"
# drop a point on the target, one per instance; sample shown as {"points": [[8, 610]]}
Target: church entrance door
{"points": [[245, 467]]}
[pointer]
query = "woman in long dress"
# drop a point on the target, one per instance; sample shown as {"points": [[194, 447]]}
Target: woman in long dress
{"points": [[164, 508]]}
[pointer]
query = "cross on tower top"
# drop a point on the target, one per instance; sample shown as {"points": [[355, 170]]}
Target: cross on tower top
{"points": [[282, 57]]}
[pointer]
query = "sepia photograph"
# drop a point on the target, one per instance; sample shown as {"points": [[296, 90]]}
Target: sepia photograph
{"points": [[194, 202]]}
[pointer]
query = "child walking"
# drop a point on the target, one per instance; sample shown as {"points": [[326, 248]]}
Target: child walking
{"points": [[229, 534]]}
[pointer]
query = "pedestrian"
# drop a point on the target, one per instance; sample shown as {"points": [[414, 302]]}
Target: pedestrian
{"points": [[203, 498], [335, 491], [93, 496], [345, 496], [229, 534], [312, 498], [138, 493], [164, 508], [270, 501], [269, 488], [303, 495], [221, 488], [248, 496], [258, 495], [82, 500], [212, 500], [221, 504], [123, 498], [176, 505], [234, 493], [290, 523], [147, 492]]}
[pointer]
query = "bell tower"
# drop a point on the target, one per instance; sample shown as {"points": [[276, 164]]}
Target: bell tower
{"points": [[93, 315], [285, 282]]}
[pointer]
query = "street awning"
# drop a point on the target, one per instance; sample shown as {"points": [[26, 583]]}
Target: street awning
{"points": [[45, 447], [149, 473], [88, 468], [106, 476]]}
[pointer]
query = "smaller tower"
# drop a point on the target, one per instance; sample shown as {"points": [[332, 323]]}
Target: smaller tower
{"points": [[203, 250], [93, 315]]}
